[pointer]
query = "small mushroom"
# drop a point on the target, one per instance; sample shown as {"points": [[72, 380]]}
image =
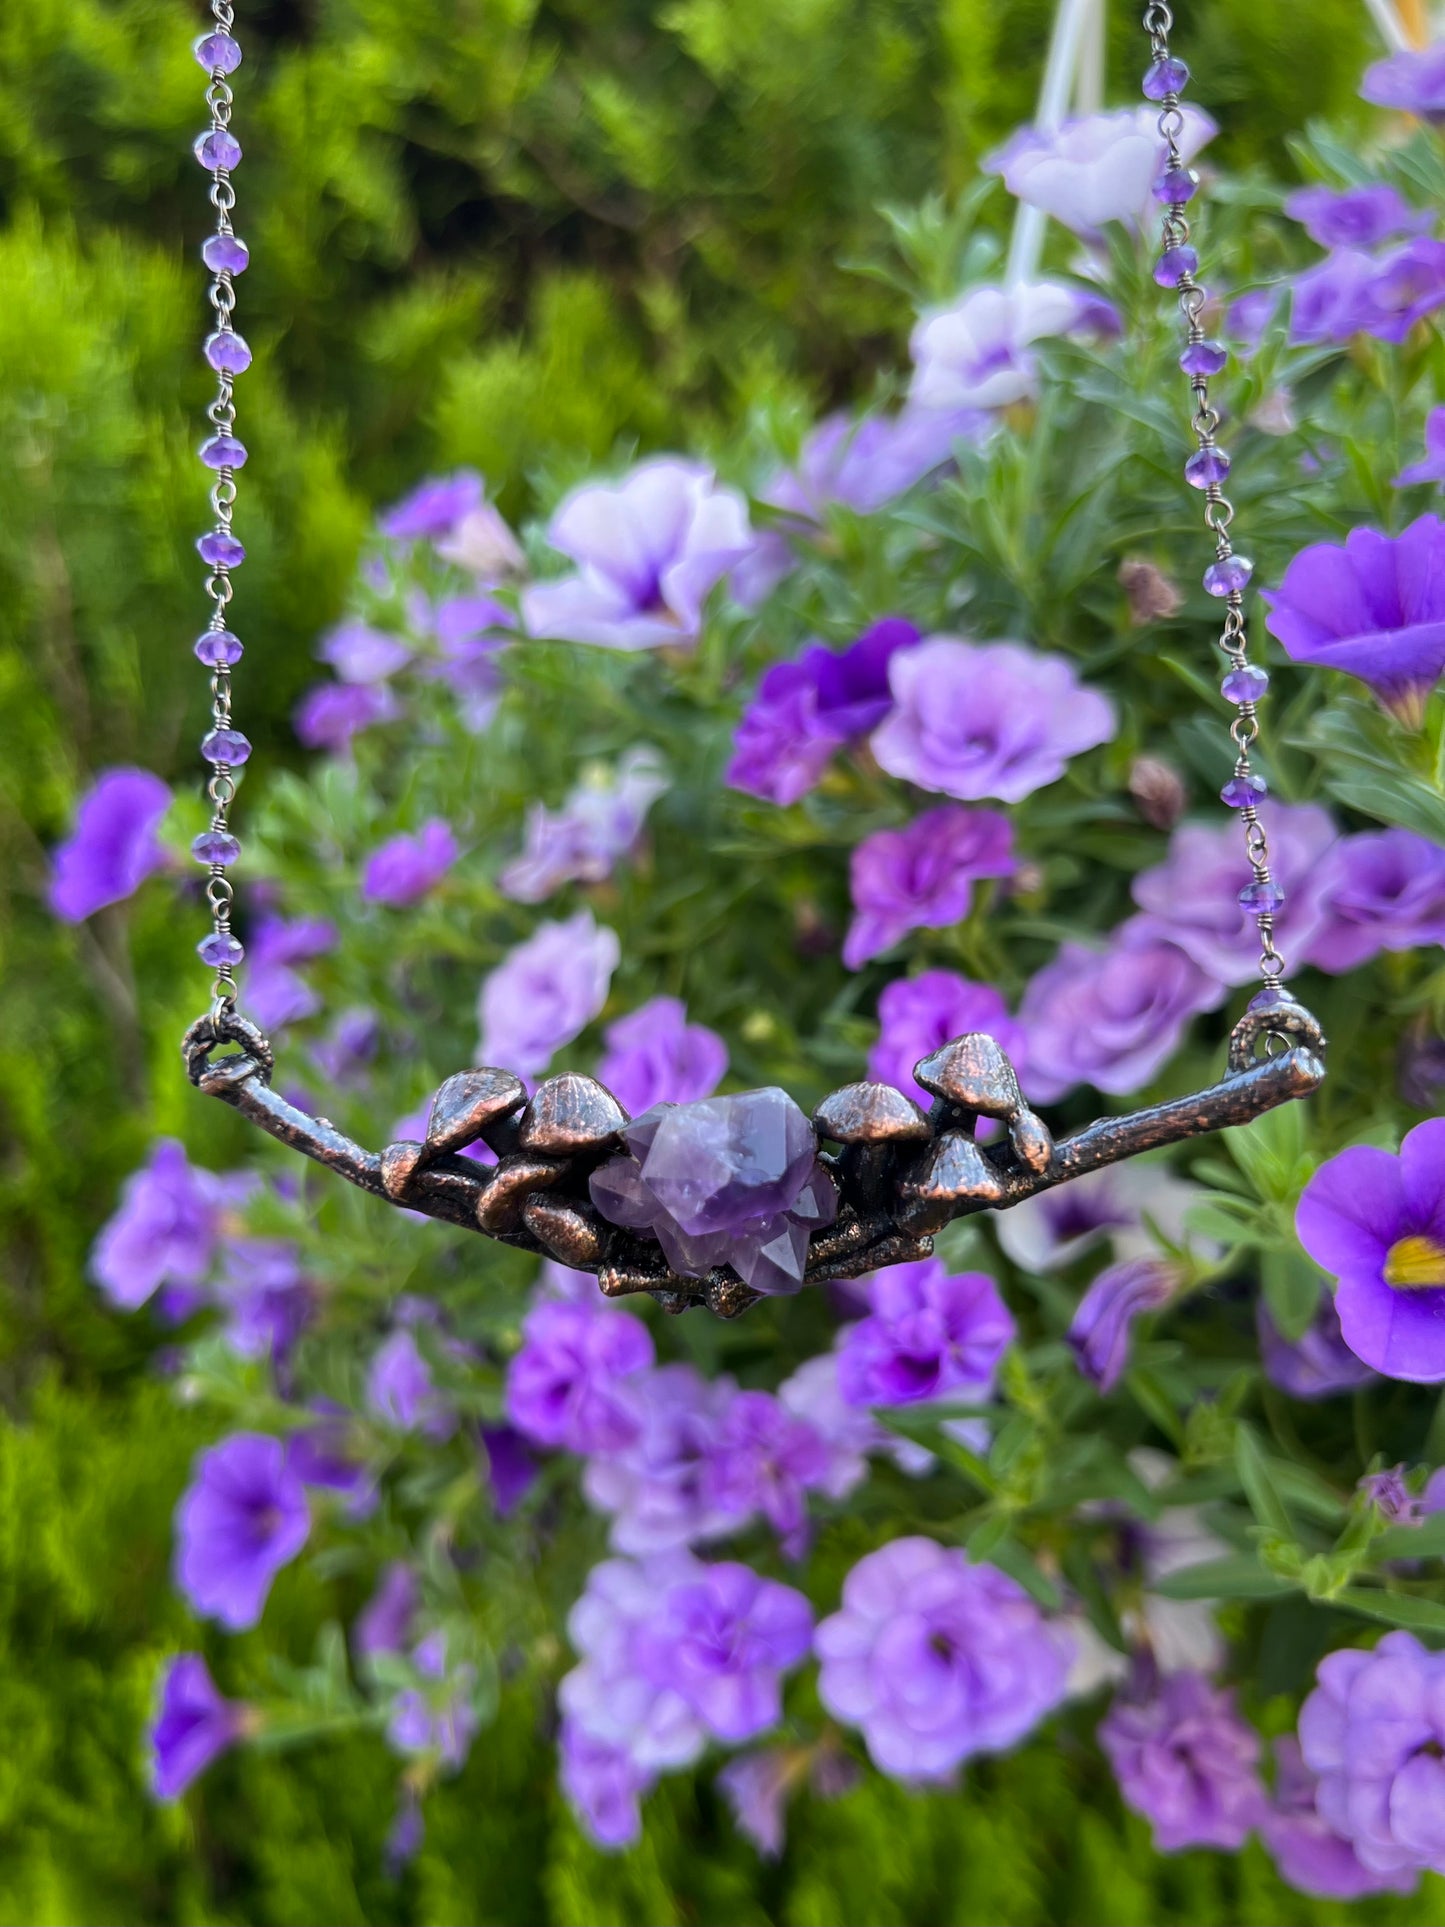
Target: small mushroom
{"points": [[870, 1121], [1032, 1141], [572, 1233], [466, 1104], [951, 1172], [727, 1296], [398, 1167], [625, 1276], [570, 1114], [973, 1074], [500, 1207]]}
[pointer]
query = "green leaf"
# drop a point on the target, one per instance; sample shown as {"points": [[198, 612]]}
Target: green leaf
{"points": [[1424, 1541], [1154, 1402], [1014, 1559], [1240, 1575], [1366, 774], [1292, 1285], [1394, 1608], [1256, 1475]]}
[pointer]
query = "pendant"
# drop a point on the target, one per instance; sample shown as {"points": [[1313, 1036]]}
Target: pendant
{"points": [[734, 1198]]}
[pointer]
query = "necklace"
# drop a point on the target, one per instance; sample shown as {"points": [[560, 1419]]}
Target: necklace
{"points": [[722, 1201]]}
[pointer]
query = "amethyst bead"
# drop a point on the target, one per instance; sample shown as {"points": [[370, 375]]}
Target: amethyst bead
{"points": [[215, 846], [1263, 899], [223, 451], [1245, 684], [220, 949], [221, 549], [218, 148], [225, 254], [218, 53], [1165, 77], [1175, 186], [1228, 575], [1242, 791], [218, 649], [1268, 998], [226, 746], [227, 352], [1206, 467], [1204, 358], [1174, 264]]}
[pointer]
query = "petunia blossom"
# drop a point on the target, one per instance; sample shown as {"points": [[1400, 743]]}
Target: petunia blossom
{"points": [[978, 354], [1432, 468], [1096, 168], [598, 824], [1100, 1330], [1390, 896], [194, 1725], [242, 1518], [545, 992], [113, 847], [864, 465], [566, 1387], [407, 868], [1359, 217], [1412, 81], [433, 510], [1309, 1854], [360, 653], [922, 876], [330, 715], [655, 1056], [928, 1333], [166, 1229]]}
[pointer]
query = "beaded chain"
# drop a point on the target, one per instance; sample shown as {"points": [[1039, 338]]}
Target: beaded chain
{"points": [[1206, 469]]}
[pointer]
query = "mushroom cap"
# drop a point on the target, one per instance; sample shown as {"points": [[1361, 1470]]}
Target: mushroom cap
{"points": [[973, 1073], [952, 1169], [868, 1113], [467, 1103], [1032, 1140], [570, 1113]]}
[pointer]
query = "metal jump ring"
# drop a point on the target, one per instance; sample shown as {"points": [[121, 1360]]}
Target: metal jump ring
{"points": [[1286, 1019]]}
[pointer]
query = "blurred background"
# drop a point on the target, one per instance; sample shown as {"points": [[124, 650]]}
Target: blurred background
{"points": [[514, 235]]}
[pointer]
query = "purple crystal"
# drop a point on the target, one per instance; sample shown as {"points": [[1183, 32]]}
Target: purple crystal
{"points": [[715, 1164], [215, 846], [219, 949], [1246, 684], [1204, 358], [1262, 898], [221, 549], [227, 746], [1228, 575], [1175, 186], [1268, 998], [218, 148], [1242, 791], [227, 352], [225, 253], [1165, 77], [1206, 467], [1175, 263], [218, 649], [223, 451], [218, 53]]}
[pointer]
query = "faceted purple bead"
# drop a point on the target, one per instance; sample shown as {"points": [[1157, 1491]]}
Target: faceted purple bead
{"points": [[218, 53], [223, 451], [727, 1161], [1262, 898], [225, 254], [1204, 358], [215, 846], [1205, 467], [218, 649], [1268, 998], [1228, 575], [1174, 263], [227, 746], [227, 352], [1241, 791], [1165, 77], [1175, 186], [1245, 684], [221, 549], [220, 948], [218, 147]]}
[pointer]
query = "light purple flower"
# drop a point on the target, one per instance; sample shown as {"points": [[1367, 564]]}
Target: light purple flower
{"points": [[481, 541], [929, 1333], [436, 1716], [1358, 217], [241, 1519], [996, 719], [766, 1460], [1308, 1853], [113, 847], [1111, 1017], [193, 1726], [1372, 1732], [1333, 301], [917, 1014], [1133, 1206], [328, 716], [401, 1392], [360, 654], [1099, 1332], [1185, 1759], [545, 992], [756, 1787], [433, 511], [471, 633], [865, 464], [407, 868], [978, 353], [511, 1465], [922, 876], [346, 1053], [1377, 1223], [384, 1623], [1098, 168], [936, 1659], [658, 1489], [276, 994], [849, 1432], [619, 1696], [1373, 607], [599, 824], [1390, 896], [1412, 81], [566, 1387], [655, 1056], [265, 1295], [602, 1786], [1317, 1365], [1432, 468], [1407, 285], [723, 1641], [165, 1231], [649, 550], [1192, 898], [406, 1835]]}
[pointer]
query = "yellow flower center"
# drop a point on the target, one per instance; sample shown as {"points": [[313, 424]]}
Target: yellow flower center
{"points": [[1415, 1264]]}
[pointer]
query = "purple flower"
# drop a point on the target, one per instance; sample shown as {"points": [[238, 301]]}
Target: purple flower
{"points": [[1390, 896], [1377, 1223], [328, 716], [1333, 301], [1186, 1761], [193, 1726], [649, 549], [407, 868], [600, 822], [849, 1433], [756, 1787], [1388, 1493], [1308, 1853], [922, 876], [437, 1716], [977, 354], [602, 1786], [917, 1014], [384, 1623], [1099, 1333], [1317, 1365], [1192, 898], [323, 1456], [1412, 81], [544, 992], [929, 1333], [1432, 469], [986, 719], [360, 654], [400, 1390], [345, 1053], [481, 541], [433, 511], [1049, 1231], [1358, 217], [1374, 607], [1099, 168], [164, 1231], [265, 1295], [766, 1460], [1113, 1017], [655, 1056], [405, 1837], [241, 1519], [113, 847], [275, 993], [1372, 1732], [723, 1641], [511, 1467], [658, 1488], [471, 633], [936, 1659], [1407, 285], [565, 1387], [864, 465]]}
